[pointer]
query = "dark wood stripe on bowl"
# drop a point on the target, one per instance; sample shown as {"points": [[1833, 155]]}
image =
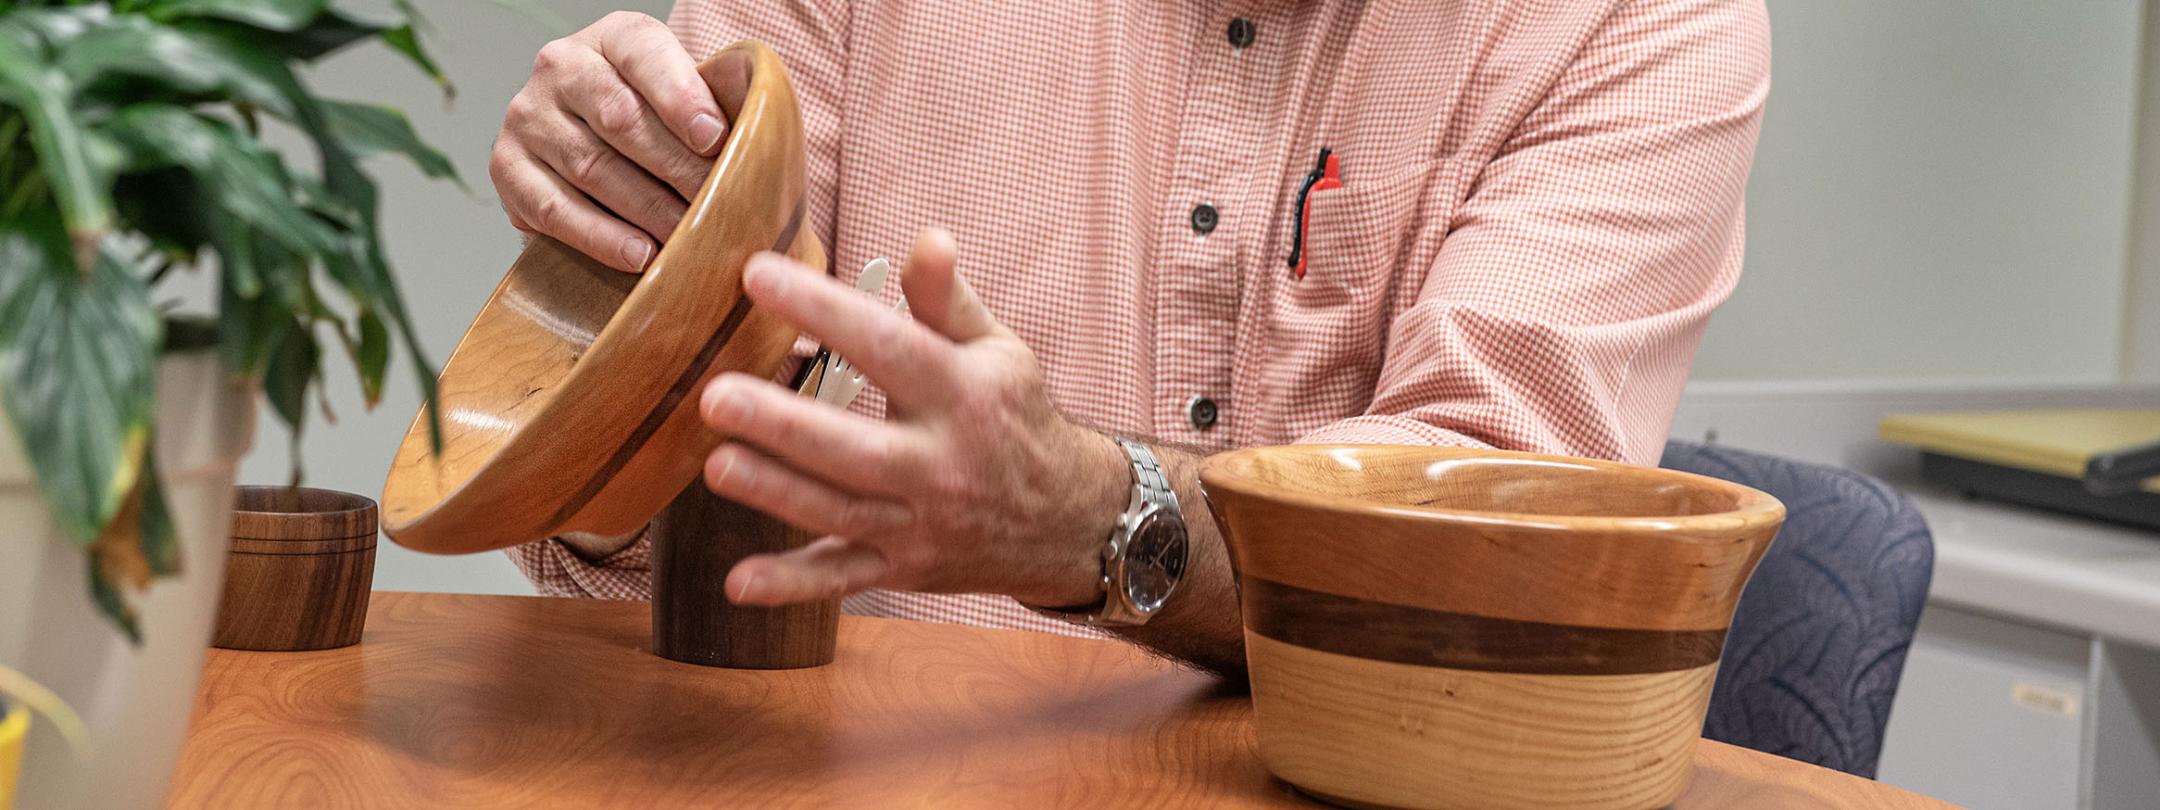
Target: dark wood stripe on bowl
{"points": [[1379, 631], [684, 381]]}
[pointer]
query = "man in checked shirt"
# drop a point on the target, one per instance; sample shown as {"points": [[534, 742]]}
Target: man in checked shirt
{"points": [[1530, 212]]}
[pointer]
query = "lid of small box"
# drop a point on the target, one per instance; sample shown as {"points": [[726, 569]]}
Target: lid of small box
{"points": [[2057, 442]]}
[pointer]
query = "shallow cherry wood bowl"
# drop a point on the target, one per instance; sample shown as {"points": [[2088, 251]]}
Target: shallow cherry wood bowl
{"points": [[571, 403], [1446, 628]]}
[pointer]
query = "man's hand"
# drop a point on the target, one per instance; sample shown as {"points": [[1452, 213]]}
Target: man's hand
{"points": [[611, 136], [976, 483]]}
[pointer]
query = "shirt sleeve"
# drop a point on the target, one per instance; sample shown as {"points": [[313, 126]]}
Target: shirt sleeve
{"points": [[1563, 311], [558, 570]]}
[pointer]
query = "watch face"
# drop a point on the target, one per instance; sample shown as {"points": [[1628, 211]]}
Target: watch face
{"points": [[1155, 561]]}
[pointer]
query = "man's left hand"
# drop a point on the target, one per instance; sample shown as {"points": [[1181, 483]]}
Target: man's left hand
{"points": [[976, 483]]}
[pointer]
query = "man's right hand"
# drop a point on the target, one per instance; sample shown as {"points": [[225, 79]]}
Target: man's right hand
{"points": [[607, 141]]}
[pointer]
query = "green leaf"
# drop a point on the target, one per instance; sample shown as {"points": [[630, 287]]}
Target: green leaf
{"points": [[283, 16], [405, 41], [332, 31], [77, 355], [246, 181], [292, 369], [372, 356], [42, 92], [160, 546], [119, 60], [370, 129], [111, 603], [249, 327]]}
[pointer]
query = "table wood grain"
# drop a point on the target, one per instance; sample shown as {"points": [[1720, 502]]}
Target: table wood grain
{"points": [[494, 701]]}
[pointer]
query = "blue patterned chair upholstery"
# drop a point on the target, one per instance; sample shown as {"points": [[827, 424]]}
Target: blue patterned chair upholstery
{"points": [[1818, 643]]}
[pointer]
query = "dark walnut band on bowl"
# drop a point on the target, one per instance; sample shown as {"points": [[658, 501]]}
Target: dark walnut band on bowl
{"points": [[1452, 628]]}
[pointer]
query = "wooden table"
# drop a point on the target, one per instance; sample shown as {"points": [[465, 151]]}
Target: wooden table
{"points": [[491, 701]]}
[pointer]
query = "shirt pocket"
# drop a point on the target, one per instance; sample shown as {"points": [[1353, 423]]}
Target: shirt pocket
{"points": [[1327, 330]]}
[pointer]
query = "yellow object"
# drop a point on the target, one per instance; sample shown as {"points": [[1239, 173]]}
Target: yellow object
{"points": [[2056, 442], [12, 728]]}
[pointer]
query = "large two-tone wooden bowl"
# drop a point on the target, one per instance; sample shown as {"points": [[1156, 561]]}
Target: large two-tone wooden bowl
{"points": [[1445, 628], [571, 403]]}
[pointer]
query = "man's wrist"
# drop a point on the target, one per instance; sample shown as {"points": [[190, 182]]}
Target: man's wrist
{"points": [[1106, 486], [593, 548]]}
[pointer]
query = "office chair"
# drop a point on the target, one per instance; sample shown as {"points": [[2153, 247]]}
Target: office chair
{"points": [[1818, 642]]}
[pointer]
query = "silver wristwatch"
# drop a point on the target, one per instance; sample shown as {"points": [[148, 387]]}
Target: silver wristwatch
{"points": [[1145, 556]]}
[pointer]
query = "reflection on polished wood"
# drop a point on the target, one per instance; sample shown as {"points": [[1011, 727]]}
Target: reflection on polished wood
{"points": [[1465, 629], [487, 701], [570, 405]]}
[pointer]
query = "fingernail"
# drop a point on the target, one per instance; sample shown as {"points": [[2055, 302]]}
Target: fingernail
{"points": [[749, 586], [725, 403], [720, 479], [705, 132], [770, 274], [636, 252]]}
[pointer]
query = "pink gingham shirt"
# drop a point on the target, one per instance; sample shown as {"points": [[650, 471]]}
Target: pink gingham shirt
{"points": [[1539, 206]]}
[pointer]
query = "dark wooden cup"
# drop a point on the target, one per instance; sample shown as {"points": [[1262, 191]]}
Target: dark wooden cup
{"points": [[696, 540], [302, 564]]}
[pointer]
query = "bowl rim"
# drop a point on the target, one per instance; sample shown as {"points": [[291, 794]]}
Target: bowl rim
{"points": [[1752, 505], [404, 520]]}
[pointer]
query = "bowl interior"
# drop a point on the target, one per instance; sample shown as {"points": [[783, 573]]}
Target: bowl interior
{"points": [[543, 318], [1474, 482]]}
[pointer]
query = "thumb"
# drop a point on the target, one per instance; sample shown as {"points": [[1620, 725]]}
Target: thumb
{"points": [[936, 294]]}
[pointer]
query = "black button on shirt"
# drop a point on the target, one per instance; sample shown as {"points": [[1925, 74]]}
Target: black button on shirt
{"points": [[1203, 219], [1202, 412], [1241, 33]]}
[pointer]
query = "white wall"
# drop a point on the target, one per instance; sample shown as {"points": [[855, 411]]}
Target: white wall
{"points": [[1941, 191], [2141, 298]]}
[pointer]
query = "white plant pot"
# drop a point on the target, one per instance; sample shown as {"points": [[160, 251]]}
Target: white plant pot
{"points": [[136, 700]]}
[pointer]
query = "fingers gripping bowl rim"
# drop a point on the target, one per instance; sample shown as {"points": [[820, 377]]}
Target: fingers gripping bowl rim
{"points": [[570, 404]]}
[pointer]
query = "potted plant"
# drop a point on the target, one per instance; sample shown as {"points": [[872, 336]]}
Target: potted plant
{"points": [[130, 153]]}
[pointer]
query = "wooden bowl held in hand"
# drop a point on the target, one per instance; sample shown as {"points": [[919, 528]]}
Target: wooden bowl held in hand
{"points": [[571, 403], [1449, 628], [302, 564]]}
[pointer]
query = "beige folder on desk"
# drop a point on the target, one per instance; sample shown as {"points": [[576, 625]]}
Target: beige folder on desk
{"points": [[2055, 442]]}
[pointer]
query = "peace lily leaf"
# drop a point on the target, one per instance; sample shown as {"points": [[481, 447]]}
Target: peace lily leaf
{"points": [[284, 16], [371, 129], [247, 181], [292, 368], [372, 356], [113, 603], [118, 564], [332, 31], [190, 62], [137, 546], [158, 538], [76, 372], [249, 326], [405, 39], [116, 118], [41, 92]]}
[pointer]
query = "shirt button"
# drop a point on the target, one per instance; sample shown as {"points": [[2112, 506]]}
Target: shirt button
{"points": [[1201, 411], [1241, 33], [1203, 219]]}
